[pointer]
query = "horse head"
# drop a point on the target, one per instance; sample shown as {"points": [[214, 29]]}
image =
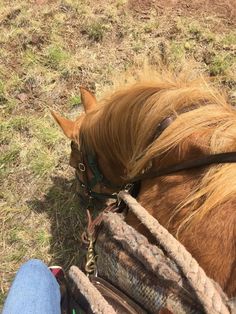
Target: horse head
{"points": [[177, 136], [92, 184]]}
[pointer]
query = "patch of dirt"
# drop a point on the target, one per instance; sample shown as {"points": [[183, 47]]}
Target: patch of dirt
{"points": [[221, 8]]}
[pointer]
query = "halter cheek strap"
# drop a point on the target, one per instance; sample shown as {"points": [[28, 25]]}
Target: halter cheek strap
{"points": [[97, 178], [89, 186], [97, 175]]}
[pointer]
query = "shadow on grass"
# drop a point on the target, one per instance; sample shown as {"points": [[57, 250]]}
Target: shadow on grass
{"points": [[67, 218]]}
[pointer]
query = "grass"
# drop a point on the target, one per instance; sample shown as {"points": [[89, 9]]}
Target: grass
{"points": [[221, 63], [45, 132], [229, 39], [8, 159], [55, 56], [75, 100], [49, 50], [177, 51], [40, 162], [95, 30], [2, 88]]}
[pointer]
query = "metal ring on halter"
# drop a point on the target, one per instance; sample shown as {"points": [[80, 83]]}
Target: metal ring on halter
{"points": [[82, 167], [128, 187]]}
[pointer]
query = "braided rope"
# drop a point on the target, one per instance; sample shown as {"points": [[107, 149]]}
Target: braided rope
{"points": [[97, 302], [210, 298]]}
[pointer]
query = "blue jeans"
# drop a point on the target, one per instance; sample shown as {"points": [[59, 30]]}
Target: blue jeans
{"points": [[34, 291]]}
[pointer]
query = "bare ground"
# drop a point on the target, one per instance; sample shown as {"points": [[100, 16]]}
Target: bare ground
{"points": [[225, 9]]}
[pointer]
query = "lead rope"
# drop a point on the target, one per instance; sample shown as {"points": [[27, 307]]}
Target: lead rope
{"points": [[203, 286], [97, 302], [88, 237]]}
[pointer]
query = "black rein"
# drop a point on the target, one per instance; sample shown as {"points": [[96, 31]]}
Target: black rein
{"points": [[204, 161]]}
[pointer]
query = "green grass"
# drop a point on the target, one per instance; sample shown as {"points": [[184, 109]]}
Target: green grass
{"points": [[229, 39], [75, 100], [18, 123], [43, 238], [8, 159], [95, 29], [55, 56], [45, 132], [2, 88], [2, 297], [221, 63], [9, 156], [16, 236], [30, 57], [195, 30], [41, 162], [9, 106], [177, 51]]}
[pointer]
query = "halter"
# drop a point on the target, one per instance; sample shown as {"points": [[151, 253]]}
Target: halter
{"points": [[90, 162]]}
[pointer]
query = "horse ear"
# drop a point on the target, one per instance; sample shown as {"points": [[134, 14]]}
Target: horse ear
{"points": [[66, 124], [88, 99]]}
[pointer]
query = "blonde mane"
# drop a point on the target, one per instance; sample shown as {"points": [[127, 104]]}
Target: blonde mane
{"points": [[125, 124]]}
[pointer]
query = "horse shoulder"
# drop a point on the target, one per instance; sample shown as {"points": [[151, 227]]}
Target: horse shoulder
{"points": [[212, 243]]}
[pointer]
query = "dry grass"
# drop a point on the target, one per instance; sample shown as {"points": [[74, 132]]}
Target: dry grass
{"points": [[47, 50]]}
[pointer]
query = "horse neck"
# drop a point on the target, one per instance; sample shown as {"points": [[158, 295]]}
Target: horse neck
{"points": [[162, 196]]}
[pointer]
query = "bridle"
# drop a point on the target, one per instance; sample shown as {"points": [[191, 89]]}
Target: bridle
{"points": [[89, 162]]}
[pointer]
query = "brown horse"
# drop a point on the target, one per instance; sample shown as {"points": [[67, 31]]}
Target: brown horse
{"points": [[153, 125]]}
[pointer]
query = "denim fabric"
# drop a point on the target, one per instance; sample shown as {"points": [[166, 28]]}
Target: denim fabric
{"points": [[34, 291]]}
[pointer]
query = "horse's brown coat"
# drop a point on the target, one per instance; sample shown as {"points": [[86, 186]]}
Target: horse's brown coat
{"points": [[196, 206]]}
